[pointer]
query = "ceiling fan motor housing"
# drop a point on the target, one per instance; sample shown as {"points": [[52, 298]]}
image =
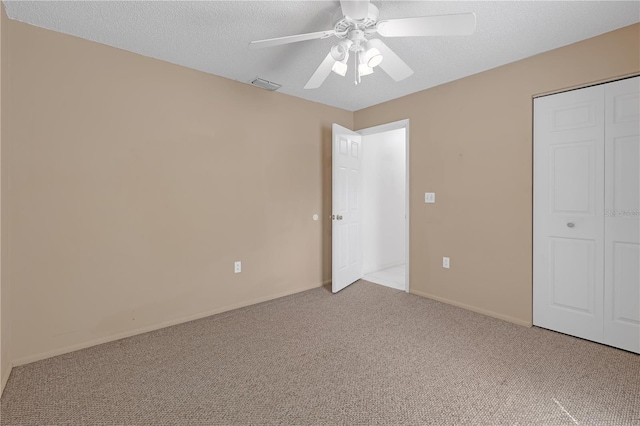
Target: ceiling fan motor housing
{"points": [[343, 24], [358, 38]]}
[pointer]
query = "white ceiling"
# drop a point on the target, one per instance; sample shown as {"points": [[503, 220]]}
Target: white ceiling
{"points": [[212, 36]]}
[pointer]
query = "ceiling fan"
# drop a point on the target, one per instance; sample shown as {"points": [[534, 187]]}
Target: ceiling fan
{"points": [[354, 23]]}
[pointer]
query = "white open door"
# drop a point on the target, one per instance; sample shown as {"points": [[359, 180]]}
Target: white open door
{"points": [[345, 217]]}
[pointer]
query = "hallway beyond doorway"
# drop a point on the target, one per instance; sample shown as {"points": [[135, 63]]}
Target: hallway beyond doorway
{"points": [[393, 277]]}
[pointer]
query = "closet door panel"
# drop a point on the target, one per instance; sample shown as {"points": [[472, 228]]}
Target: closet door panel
{"points": [[622, 215], [568, 212]]}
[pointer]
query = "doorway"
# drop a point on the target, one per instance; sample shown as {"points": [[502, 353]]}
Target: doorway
{"points": [[385, 224], [387, 221]]}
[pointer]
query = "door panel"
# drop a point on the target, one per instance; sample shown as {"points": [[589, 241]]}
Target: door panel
{"points": [[354, 246], [626, 275], [622, 215], [568, 214], [573, 116], [341, 197], [626, 175], [342, 246], [346, 187], [572, 274], [626, 105], [572, 177], [354, 187]]}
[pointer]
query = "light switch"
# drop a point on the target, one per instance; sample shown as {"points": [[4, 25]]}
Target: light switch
{"points": [[430, 197]]}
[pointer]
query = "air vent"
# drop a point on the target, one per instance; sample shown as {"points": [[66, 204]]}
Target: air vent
{"points": [[269, 85]]}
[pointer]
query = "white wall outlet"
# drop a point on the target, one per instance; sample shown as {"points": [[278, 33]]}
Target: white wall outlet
{"points": [[445, 262], [237, 267], [430, 197]]}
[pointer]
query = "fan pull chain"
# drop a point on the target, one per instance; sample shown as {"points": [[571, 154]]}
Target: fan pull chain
{"points": [[355, 68]]}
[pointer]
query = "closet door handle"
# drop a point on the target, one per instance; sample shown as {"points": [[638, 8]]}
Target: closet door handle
{"points": [[571, 224]]}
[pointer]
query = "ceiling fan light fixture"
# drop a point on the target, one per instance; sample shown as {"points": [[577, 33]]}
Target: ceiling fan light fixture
{"points": [[363, 70], [373, 57], [340, 51], [363, 67], [339, 68]]}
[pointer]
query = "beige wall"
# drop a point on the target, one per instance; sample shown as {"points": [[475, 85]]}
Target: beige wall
{"points": [[471, 143], [5, 313], [135, 185]]}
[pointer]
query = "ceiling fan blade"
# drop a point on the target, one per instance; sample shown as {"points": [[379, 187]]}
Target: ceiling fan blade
{"points": [[391, 63], [439, 25], [355, 9], [321, 74], [290, 39]]}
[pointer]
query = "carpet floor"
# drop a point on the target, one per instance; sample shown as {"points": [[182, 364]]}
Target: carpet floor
{"points": [[367, 355]]}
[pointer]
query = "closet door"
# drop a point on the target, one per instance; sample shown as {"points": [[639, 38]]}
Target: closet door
{"points": [[622, 215], [568, 212]]}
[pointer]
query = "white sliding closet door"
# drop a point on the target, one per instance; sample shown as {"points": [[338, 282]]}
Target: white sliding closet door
{"points": [[568, 212], [622, 220], [586, 244]]}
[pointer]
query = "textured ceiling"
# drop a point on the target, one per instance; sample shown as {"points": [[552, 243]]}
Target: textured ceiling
{"points": [[212, 36]]}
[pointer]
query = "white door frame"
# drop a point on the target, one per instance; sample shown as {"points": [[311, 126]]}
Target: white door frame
{"points": [[402, 124]]}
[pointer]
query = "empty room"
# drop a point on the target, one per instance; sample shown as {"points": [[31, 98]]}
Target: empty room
{"points": [[320, 212]]}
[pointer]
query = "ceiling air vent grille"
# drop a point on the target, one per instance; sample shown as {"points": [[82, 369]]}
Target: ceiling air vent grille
{"points": [[265, 84]]}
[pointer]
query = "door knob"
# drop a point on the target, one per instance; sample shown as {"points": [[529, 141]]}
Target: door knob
{"points": [[339, 217], [570, 225]]}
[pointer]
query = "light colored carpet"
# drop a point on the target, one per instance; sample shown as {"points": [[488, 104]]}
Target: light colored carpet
{"points": [[367, 355]]}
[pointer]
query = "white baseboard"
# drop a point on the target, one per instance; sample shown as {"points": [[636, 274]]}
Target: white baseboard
{"points": [[5, 378], [44, 355], [474, 309]]}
